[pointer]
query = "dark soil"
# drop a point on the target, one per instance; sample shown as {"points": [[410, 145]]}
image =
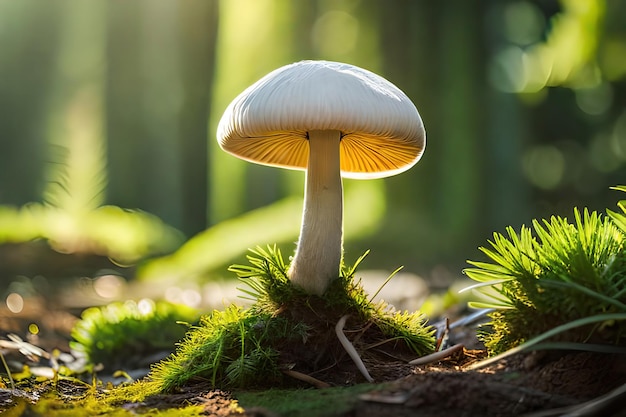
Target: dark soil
{"points": [[519, 386]]}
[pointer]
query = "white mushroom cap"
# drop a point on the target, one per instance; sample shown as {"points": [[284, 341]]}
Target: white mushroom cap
{"points": [[382, 133]]}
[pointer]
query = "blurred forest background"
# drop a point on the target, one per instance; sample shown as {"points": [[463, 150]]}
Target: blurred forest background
{"points": [[108, 111]]}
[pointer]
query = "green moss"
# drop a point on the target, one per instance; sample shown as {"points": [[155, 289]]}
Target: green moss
{"points": [[133, 393], [118, 333], [284, 328], [561, 273], [53, 406], [330, 402], [231, 347], [63, 396]]}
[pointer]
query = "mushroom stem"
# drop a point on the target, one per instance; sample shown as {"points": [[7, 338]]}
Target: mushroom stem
{"points": [[318, 255]]}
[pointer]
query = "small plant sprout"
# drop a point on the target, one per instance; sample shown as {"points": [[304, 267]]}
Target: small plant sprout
{"points": [[557, 285], [332, 120], [6, 368]]}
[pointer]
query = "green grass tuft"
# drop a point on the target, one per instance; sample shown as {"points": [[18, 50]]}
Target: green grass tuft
{"points": [[229, 347], [555, 273]]}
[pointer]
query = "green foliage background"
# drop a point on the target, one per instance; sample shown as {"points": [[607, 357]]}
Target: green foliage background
{"points": [[523, 103]]}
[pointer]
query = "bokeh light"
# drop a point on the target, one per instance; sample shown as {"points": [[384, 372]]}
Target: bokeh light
{"points": [[335, 34], [15, 303], [544, 166], [524, 23], [146, 306], [595, 100], [109, 286]]}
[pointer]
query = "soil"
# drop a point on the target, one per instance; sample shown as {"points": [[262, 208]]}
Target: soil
{"points": [[519, 386], [529, 384]]}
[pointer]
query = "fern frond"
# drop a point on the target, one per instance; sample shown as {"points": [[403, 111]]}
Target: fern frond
{"points": [[77, 176]]}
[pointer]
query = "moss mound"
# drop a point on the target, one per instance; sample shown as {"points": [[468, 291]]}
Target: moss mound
{"points": [[118, 334], [286, 329]]}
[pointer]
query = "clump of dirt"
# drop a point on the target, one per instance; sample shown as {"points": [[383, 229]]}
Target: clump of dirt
{"points": [[323, 357], [289, 332], [576, 375], [215, 402]]}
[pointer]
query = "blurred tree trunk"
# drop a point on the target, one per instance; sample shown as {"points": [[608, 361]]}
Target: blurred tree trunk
{"points": [[160, 77], [441, 196], [507, 199], [26, 56], [129, 152], [199, 25], [463, 146], [409, 31]]}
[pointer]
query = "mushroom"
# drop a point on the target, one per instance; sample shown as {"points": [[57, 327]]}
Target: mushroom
{"points": [[333, 120]]}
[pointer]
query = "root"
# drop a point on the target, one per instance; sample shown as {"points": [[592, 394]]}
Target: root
{"points": [[354, 355], [306, 378], [437, 356]]}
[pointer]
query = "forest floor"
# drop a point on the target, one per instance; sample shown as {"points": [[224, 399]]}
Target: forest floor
{"points": [[535, 384]]}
